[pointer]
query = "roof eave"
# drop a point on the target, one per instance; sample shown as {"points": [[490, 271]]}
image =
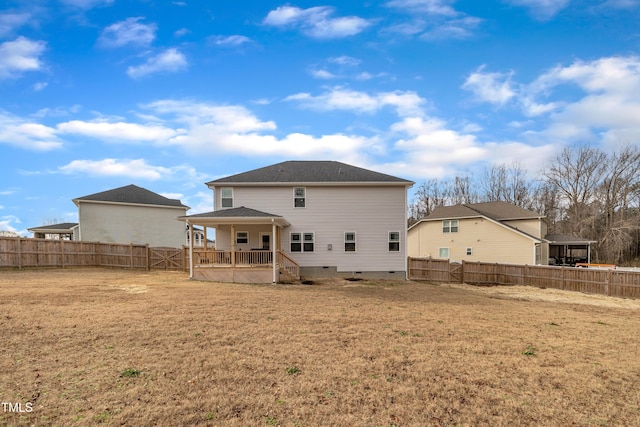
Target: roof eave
{"points": [[407, 184]]}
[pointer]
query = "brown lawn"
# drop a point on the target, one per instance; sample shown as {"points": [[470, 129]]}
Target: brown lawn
{"points": [[112, 347]]}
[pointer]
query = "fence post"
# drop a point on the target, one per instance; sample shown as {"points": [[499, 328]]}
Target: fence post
{"points": [[462, 272], [19, 253], [148, 252], [607, 286], [62, 251]]}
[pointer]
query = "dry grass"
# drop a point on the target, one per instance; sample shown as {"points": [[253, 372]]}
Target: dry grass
{"points": [[115, 347]]}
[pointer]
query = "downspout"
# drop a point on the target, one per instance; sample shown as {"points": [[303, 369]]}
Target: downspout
{"points": [[190, 249], [405, 233], [273, 250]]}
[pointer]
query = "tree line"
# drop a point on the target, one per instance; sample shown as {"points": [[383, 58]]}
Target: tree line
{"points": [[583, 192]]}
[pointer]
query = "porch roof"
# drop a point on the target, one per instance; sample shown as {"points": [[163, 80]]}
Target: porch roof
{"points": [[565, 239], [241, 215]]}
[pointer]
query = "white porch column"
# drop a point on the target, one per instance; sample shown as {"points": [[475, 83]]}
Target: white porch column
{"points": [[274, 251], [190, 249], [233, 245]]}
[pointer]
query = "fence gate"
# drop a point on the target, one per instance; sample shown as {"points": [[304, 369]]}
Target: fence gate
{"points": [[166, 258], [455, 272]]}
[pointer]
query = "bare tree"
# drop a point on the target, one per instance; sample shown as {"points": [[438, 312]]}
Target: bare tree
{"points": [[576, 173], [508, 184]]}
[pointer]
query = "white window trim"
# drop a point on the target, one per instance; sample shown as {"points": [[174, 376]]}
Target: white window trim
{"points": [[222, 198], [313, 241], [440, 252], [302, 241], [450, 223], [354, 241], [237, 233], [469, 252], [393, 241], [303, 198]]}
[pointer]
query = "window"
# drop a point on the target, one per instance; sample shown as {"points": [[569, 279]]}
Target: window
{"points": [[299, 197], [450, 226], [302, 242], [443, 252], [350, 241], [227, 197], [242, 237], [307, 244], [296, 244], [394, 241], [469, 251]]}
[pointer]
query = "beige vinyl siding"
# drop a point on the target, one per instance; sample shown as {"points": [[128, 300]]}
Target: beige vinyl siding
{"points": [[490, 242], [121, 223], [224, 238], [330, 211], [529, 226]]}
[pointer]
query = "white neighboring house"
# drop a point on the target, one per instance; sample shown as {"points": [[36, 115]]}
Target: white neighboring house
{"points": [[327, 217], [131, 214]]}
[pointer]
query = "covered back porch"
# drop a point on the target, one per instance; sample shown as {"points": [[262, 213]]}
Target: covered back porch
{"points": [[248, 248]]}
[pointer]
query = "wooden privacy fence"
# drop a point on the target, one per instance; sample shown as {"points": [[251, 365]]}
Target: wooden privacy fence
{"points": [[19, 252], [625, 284]]}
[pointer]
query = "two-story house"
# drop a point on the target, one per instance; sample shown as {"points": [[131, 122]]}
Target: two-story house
{"points": [[304, 218], [497, 232]]}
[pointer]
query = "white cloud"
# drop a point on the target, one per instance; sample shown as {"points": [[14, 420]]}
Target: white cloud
{"points": [[542, 9], [345, 60], [9, 22], [26, 134], [430, 7], [171, 60], [7, 223], [460, 28], [406, 103], [606, 108], [432, 20], [20, 55], [316, 22], [429, 148], [137, 168], [323, 74], [494, 88], [119, 131], [87, 4], [128, 32], [229, 41]]}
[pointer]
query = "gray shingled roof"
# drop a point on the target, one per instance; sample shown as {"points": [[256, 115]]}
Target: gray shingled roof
{"points": [[64, 226], [310, 171], [131, 194], [241, 212], [567, 239], [499, 211]]}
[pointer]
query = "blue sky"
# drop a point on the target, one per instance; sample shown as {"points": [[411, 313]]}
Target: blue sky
{"points": [[96, 94]]}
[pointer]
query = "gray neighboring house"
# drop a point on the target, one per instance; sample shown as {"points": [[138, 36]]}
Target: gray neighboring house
{"points": [[131, 214], [328, 217]]}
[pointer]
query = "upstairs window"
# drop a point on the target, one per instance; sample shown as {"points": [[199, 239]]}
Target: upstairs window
{"points": [[350, 241], [450, 226], [299, 197], [227, 197], [394, 241]]}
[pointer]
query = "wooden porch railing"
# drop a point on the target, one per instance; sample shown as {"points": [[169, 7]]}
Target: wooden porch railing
{"points": [[229, 258], [286, 263], [260, 258]]}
